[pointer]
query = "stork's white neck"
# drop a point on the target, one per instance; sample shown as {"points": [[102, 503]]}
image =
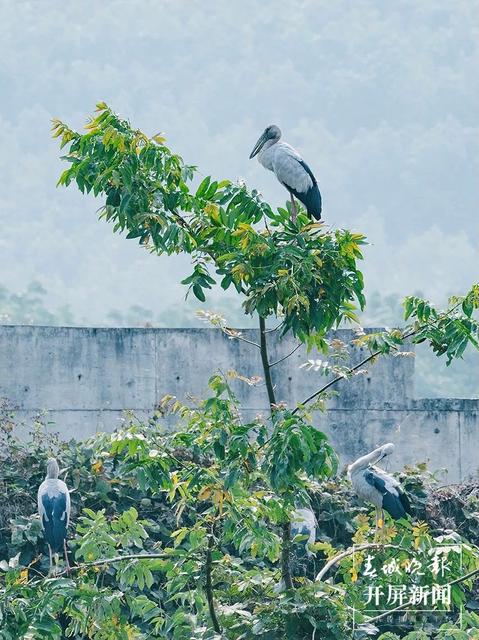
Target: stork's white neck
{"points": [[52, 469], [269, 143], [365, 461], [265, 156]]}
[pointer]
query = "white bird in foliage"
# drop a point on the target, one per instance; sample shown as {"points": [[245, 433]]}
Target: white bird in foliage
{"points": [[54, 509], [378, 487], [290, 169], [303, 523]]}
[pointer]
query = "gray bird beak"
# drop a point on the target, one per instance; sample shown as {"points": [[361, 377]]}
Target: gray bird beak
{"points": [[258, 146]]}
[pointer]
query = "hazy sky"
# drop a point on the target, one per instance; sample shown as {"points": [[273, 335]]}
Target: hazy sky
{"points": [[381, 97]]}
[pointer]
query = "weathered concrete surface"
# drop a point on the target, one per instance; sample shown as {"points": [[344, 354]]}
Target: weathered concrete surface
{"points": [[86, 378]]}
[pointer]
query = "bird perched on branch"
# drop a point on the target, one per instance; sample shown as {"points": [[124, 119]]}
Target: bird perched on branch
{"points": [[290, 169], [54, 509], [378, 487]]}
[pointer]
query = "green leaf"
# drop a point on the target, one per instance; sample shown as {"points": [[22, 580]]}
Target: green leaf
{"points": [[204, 184], [199, 293]]}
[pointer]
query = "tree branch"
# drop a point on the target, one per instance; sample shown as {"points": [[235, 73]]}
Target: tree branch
{"points": [[335, 380], [272, 364], [183, 222], [232, 333], [275, 328], [209, 584], [266, 365], [132, 556], [349, 552], [338, 378], [286, 555], [368, 359]]}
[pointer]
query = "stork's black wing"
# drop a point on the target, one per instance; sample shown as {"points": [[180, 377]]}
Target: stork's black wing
{"points": [[395, 501], [55, 520], [310, 198], [308, 171]]}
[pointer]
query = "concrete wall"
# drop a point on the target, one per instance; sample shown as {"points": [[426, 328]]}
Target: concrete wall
{"points": [[86, 378]]}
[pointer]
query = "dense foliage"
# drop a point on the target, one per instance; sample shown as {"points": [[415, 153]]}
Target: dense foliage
{"points": [[208, 506], [179, 498]]}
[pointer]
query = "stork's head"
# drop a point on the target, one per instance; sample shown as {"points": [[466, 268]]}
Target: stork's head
{"points": [[371, 458], [269, 136], [52, 468], [384, 451]]}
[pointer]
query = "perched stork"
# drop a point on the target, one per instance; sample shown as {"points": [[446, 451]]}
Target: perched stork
{"points": [[54, 510], [290, 169], [381, 489]]}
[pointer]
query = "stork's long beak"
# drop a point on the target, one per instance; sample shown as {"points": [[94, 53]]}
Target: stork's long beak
{"points": [[258, 146]]}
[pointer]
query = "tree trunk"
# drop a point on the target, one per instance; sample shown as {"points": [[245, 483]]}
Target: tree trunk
{"points": [[266, 367], [286, 527], [286, 556], [209, 585]]}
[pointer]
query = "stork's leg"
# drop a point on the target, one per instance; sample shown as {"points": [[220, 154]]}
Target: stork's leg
{"points": [[294, 211], [66, 556], [55, 556]]}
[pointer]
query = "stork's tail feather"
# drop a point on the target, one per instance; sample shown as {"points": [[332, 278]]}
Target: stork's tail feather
{"points": [[312, 201], [397, 506], [315, 215], [406, 504]]}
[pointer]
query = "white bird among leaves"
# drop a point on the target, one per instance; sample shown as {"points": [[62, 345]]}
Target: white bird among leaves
{"points": [[290, 169], [54, 509], [378, 487], [303, 523]]}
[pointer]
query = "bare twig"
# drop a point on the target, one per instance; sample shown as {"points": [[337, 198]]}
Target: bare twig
{"points": [[232, 333], [275, 328], [272, 364], [338, 378], [334, 381]]}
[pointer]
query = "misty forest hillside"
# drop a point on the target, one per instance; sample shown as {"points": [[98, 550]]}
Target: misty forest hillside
{"points": [[381, 99]]}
